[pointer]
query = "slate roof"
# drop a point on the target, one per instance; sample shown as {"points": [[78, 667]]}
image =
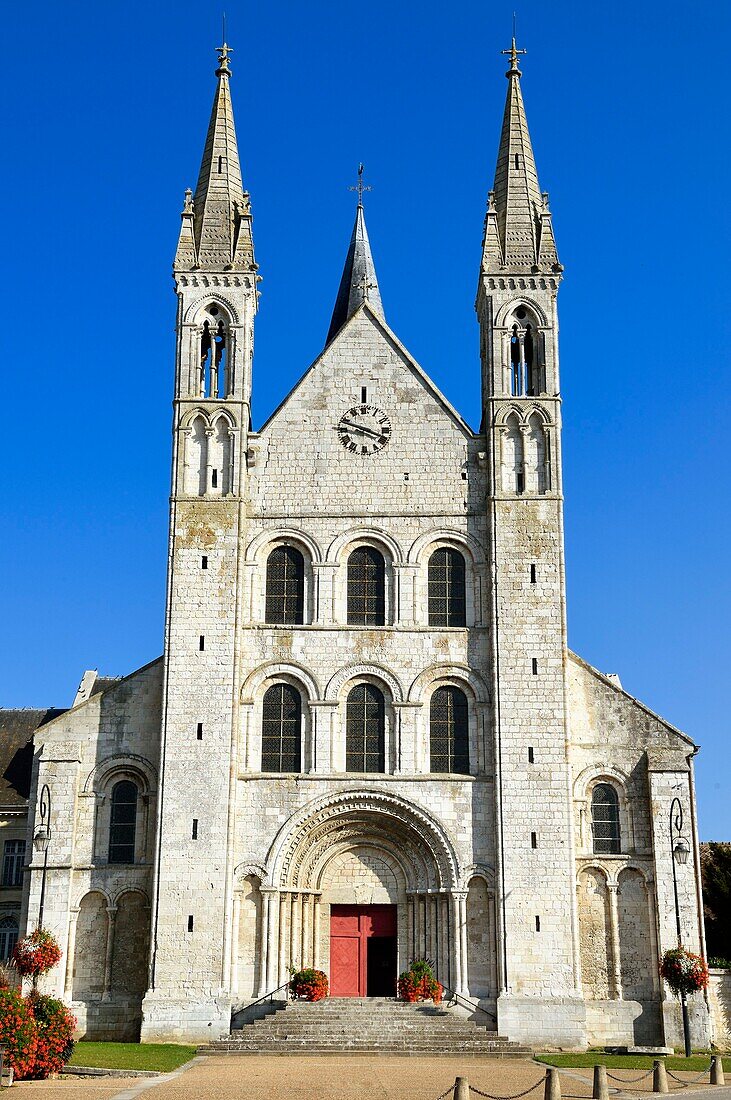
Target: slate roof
{"points": [[16, 752], [358, 283]]}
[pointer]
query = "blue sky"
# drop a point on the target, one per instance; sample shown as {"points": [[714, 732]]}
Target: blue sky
{"points": [[106, 108]]}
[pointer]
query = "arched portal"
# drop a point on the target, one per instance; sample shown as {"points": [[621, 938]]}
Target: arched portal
{"points": [[357, 866]]}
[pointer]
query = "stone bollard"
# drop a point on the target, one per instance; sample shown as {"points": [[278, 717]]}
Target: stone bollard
{"points": [[659, 1076], [553, 1084], [601, 1089], [461, 1089], [717, 1077]]}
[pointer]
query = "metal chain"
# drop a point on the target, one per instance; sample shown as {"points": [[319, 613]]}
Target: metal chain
{"points": [[693, 1080], [630, 1080], [444, 1094], [517, 1096]]}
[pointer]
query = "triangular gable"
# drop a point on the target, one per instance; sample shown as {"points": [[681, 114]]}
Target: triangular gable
{"points": [[398, 347], [608, 682], [95, 698]]}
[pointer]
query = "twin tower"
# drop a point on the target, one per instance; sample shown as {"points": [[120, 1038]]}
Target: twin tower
{"points": [[364, 454]]}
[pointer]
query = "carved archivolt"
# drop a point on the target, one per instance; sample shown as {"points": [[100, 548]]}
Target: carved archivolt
{"points": [[508, 310], [370, 817], [207, 300], [250, 869], [478, 870], [351, 672]]}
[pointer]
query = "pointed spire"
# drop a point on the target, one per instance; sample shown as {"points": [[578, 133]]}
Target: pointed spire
{"points": [[518, 233], [359, 282], [221, 212]]}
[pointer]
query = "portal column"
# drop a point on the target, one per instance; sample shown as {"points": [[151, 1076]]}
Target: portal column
{"points": [[306, 951], [316, 917], [294, 930], [410, 952], [282, 940], [462, 903], [264, 946], [457, 926]]}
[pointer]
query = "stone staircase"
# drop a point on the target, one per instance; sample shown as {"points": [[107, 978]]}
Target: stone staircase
{"points": [[372, 1025]]}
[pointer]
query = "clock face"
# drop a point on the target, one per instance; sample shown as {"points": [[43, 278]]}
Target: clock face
{"points": [[364, 429]]}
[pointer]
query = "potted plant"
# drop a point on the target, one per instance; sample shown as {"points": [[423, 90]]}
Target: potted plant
{"points": [[418, 983], [308, 985]]}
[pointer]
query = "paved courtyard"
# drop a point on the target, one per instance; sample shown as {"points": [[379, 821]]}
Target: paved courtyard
{"points": [[339, 1078]]}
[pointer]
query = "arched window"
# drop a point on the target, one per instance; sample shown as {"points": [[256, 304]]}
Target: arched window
{"points": [[366, 587], [449, 731], [446, 588], [605, 820], [122, 822], [285, 592], [281, 729], [365, 730], [215, 376], [8, 937], [527, 371]]}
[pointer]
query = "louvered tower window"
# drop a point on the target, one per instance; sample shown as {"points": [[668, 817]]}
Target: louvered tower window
{"points": [[281, 729], [123, 822], [605, 820], [365, 730], [366, 587], [449, 731], [446, 588], [285, 601]]}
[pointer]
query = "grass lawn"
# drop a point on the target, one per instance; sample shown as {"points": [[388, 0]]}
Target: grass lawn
{"points": [[693, 1064], [158, 1056]]}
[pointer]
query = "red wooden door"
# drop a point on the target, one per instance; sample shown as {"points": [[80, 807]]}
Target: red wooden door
{"points": [[351, 926]]}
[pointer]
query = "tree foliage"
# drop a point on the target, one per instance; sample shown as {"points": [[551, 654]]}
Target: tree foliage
{"points": [[716, 872]]}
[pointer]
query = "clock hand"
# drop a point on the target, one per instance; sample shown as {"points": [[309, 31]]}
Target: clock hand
{"points": [[361, 429]]}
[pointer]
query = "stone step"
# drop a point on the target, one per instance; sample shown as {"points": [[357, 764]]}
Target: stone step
{"points": [[364, 1026], [407, 1050]]}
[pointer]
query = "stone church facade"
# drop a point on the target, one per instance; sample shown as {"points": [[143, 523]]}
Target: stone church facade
{"points": [[367, 739]]}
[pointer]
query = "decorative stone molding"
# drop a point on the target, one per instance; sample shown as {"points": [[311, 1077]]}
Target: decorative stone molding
{"points": [[351, 672], [327, 812]]}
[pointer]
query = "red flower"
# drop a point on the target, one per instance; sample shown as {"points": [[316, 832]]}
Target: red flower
{"points": [[309, 985], [683, 971], [36, 954]]}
